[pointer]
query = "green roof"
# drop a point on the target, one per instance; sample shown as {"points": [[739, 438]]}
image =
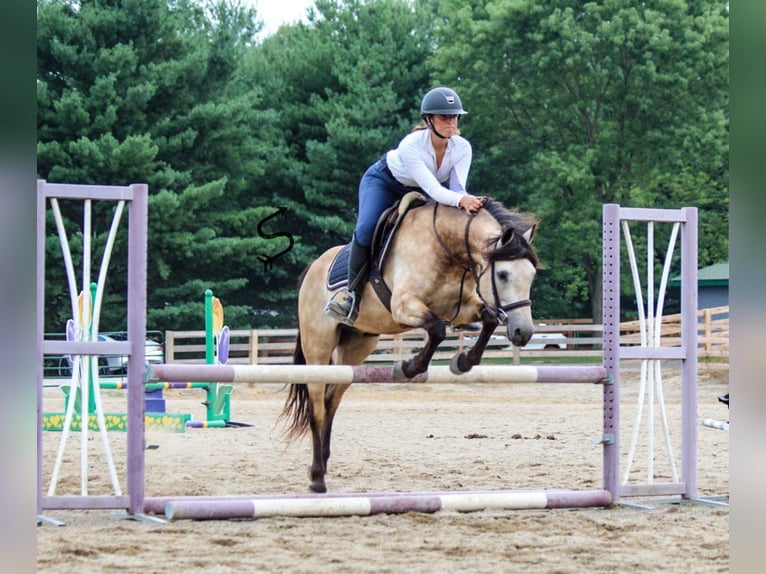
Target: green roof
{"points": [[716, 275]]}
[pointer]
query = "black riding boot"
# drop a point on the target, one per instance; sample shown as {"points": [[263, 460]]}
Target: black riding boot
{"points": [[343, 306]]}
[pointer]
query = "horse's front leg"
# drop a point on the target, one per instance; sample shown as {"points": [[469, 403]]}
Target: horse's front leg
{"points": [[467, 360], [437, 332]]}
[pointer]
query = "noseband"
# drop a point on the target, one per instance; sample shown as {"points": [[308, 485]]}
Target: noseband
{"points": [[497, 311]]}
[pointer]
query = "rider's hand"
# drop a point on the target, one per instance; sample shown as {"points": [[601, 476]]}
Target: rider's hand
{"points": [[471, 203]]}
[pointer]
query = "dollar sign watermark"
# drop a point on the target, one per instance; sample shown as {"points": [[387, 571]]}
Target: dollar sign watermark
{"points": [[268, 260]]}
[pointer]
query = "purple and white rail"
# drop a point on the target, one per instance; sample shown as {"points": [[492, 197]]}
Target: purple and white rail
{"points": [[365, 504], [715, 424], [342, 374]]}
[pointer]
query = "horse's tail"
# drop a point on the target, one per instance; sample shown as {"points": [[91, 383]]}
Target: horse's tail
{"points": [[297, 406], [297, 409], [298, 357]]}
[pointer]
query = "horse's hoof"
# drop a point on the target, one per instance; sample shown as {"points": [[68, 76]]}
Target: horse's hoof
{"points": [[455, 366], [318, 488]]}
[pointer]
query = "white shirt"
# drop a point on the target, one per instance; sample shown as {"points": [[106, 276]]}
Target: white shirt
{"points": [[413, 164]]}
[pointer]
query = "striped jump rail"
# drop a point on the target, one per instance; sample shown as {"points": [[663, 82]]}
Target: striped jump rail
{"points": [[343, 374], [348, 504]]}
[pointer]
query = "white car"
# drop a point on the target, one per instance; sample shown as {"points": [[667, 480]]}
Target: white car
{"points": [[538, 342], [154, 353], [114, 365], [107, 364], [541, 341]]}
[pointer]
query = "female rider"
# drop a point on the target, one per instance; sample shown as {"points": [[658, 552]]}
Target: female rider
{"points": [[433, 158]]}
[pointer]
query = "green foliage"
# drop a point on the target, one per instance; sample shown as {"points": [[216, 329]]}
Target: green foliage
{"points": [[591, 103], [346, 89], [145, 92]]}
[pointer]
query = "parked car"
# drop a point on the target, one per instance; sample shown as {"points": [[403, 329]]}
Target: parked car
{"points": [[538, 342], [544, 341], [107, 364], [154, 353], [541, 341], [115, 365]]}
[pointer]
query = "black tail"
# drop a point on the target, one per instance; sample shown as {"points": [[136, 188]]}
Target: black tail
{"points": [[298, 357], [297, 409]]}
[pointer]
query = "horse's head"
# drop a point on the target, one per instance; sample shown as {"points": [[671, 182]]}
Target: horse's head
{"points": [[506, 281]]}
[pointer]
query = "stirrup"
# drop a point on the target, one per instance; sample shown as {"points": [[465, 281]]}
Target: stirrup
{"points": [[344, 310]]}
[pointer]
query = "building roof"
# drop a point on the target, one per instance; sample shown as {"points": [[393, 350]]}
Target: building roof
{"points": [[716, 275]]}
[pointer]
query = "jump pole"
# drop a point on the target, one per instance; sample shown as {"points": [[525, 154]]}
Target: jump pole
{"points": [[715, 424], [380, 503], [343, 374], [554, 498], [244, 507]]}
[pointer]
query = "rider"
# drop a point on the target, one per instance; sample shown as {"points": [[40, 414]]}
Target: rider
{"points": [[433, 158]]}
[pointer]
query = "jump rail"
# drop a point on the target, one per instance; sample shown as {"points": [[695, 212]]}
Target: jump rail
{"points": [[342, 374], [216, 508]]}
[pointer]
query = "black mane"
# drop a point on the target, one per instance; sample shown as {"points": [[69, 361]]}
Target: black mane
{"points": [[518, 247]]}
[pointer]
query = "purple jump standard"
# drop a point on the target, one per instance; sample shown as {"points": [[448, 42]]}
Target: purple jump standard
{"points": [[365, 505]]}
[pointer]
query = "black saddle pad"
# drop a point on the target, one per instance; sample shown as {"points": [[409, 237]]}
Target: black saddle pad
{"points": [[338, 275]]}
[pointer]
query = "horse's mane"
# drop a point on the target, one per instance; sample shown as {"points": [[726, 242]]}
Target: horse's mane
{"points": [[517, 247]]}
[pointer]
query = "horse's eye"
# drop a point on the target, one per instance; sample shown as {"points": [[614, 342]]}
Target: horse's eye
{"points": [[502, 275]]}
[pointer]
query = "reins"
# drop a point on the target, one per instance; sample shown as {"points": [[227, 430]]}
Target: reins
{"points": [[454, 259], [499, 312]]}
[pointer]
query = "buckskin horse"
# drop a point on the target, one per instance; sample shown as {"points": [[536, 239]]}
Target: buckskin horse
{"points": [[442, 266]]}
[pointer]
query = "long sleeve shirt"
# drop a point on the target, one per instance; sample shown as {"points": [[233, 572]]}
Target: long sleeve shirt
{"points": [[413, 163]]}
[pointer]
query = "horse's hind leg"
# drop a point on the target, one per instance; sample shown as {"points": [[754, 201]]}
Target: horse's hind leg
{"points": [[333, 396], [318, 466], [352, 349], [325, 399]]}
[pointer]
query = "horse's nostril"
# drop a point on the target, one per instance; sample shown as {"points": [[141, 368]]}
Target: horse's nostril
{"points": [[519, 337]]}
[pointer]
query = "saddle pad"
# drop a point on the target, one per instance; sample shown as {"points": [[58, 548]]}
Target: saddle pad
{"points": [[337, 277]]}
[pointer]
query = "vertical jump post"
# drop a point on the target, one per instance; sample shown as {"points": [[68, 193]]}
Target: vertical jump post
{"points": [[650, 352]]}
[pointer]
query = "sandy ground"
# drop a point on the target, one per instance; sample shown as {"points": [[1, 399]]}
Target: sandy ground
{"points": [[403, 438]]}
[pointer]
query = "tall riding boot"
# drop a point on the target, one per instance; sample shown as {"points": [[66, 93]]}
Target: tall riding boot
{"points": [[343, 306]]}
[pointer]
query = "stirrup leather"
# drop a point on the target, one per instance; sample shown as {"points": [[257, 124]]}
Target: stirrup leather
{"points": [[342, 307]]}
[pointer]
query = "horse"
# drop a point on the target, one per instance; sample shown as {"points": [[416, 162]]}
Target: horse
{"points": [[443, 266]]}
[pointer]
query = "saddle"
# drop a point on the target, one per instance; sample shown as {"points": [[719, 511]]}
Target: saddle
{"points": [[385, 229]]}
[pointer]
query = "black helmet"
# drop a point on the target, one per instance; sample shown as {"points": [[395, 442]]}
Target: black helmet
{"points": [[442, 101]]}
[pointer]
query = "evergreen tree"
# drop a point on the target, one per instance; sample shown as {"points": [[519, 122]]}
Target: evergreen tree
{"points": [[145, 91], [346, 88]]}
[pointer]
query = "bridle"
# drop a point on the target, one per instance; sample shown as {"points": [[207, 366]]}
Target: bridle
{"points": [[497, 311]]}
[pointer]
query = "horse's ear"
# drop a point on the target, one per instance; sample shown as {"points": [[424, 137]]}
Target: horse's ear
{"points": [[508, 234], [530, 233]]}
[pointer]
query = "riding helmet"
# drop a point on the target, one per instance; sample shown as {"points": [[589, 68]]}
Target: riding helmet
{"points": [[441, 101]]}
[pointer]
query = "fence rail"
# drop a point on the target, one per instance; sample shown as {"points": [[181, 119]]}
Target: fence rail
{"points": [[581, 337]]}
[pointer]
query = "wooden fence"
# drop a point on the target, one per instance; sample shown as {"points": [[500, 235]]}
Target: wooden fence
{"points": [[583, 342]]}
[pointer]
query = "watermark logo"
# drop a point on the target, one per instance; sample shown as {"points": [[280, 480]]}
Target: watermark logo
{"points": [[268, 260]]}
